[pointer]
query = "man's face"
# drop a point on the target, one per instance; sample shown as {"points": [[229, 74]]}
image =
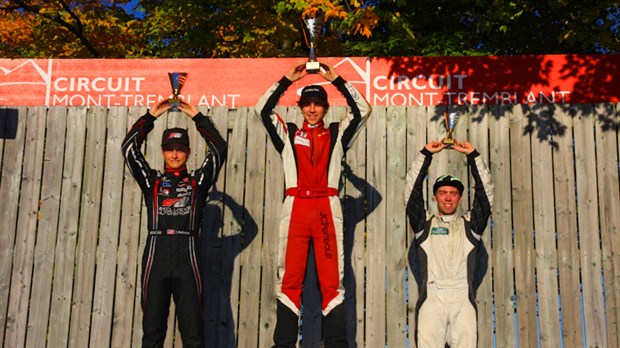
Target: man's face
{"points": [[175, 159], [313, 112], [448, 199]]}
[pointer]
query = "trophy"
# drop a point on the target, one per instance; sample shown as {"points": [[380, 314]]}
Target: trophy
{"points": [[451, 120], [177, 80], [312, 32]]}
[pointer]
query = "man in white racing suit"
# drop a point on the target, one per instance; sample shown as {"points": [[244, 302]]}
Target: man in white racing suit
{"points": [[446, 246]]}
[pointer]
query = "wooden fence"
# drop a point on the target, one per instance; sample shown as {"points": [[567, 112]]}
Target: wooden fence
{"points": [[72, 228]]}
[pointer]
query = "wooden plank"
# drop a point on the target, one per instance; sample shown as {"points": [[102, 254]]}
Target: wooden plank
{"points": [[479, 119], [128, 259], [521, 165], [27, 218], [47, 227], [566, 222], [609, 205], [64, 255], [9, 191], [416, 140], [231, 234], [588, 223], [544, 237], [4, 111], [274, 193], [212, 241], [376, 227], [81, 308], [152, 153], [251, 217], [107, 248], [227, 316], [502, 256], [396, 231], [355, 210]]}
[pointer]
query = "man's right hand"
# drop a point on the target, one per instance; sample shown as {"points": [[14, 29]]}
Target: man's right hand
{"points": [[435, 146], [297, 72], [159, 108]]}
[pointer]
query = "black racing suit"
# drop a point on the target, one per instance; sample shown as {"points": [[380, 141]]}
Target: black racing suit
{"points": [[171, 260]]}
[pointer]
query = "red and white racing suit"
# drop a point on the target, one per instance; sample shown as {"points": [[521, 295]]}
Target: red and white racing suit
{"points": [[311, 211]]}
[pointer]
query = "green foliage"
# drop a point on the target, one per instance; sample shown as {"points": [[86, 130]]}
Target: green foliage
{"points": [[272, 28]]}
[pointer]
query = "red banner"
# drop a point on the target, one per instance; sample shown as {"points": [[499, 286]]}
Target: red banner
{"points": [[540, 79]]}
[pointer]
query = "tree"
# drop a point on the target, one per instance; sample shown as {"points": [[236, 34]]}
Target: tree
{"points": [[67, 29], [272, 28], [466, 27]]}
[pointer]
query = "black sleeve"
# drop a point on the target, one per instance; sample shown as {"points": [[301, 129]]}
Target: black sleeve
{"points": [[134, 158], [216, 156], [483, 196], [274, 125], [414, 190]]}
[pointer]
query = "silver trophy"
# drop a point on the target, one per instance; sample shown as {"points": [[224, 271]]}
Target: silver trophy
{"points": [[177, 80], [451, 121], [312, 32]]}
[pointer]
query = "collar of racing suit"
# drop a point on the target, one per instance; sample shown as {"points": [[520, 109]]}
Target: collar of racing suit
{"points": [[175, 172], [308, 127], [448, 218]]}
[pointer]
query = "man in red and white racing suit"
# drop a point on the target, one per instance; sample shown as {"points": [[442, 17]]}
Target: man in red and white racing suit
{"points": [[446, 246], [311, 211], [174, 203]]}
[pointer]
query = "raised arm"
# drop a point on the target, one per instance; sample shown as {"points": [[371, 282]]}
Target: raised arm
{"points": [[218, 148], [484, 189], [273, 123], [360, 109], [134, 158], [413, 194]]}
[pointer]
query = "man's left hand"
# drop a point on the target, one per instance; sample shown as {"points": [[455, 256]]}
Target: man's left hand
{"points": [[188, 109], [463, 147], [328, 72]]}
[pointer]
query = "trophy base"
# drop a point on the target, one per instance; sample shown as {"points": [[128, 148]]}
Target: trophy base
{"points": [[174, 104], [313, 67], [448, 142]]}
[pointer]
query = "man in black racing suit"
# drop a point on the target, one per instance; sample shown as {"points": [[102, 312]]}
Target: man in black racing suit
{"points": [[174, 202]]}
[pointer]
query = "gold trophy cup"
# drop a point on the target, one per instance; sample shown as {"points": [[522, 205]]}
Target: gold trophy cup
{"points": [[312, 31], [451, 120], [177, 80]]}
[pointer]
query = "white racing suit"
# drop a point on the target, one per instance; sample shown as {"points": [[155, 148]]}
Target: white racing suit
{"points": [[446, 247]]}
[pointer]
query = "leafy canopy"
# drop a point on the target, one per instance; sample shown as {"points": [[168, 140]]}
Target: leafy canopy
{"points": [[272, 28]]}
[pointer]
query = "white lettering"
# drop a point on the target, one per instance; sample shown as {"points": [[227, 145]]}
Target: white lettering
{"points": [[98, 84]]}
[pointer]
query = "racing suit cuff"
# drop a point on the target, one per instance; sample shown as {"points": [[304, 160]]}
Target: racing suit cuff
{"points": [[473, 155], [149, 117], [198, 116], [426, 153], [285, 82], [339, 81]]}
